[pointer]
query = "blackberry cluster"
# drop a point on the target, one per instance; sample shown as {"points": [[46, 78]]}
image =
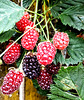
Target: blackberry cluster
{"points": [[31, 66], [52, 68], [44, 80]]}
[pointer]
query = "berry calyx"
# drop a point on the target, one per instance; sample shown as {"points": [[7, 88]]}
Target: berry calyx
{"points": [[60, 40], [52, 68], [45, 53], [12, 54], [44, 80], [31, 66], [30, 39], [11, 82]]}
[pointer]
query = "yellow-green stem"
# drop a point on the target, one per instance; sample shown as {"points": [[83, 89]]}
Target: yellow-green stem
{"points": [[53, 26], [46, 22], [34, 12], [42, 30], [31, 4], [35, 15]]}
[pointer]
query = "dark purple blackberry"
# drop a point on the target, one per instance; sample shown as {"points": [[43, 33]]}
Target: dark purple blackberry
{"points": [[52, 68], [31, 66], [44, 80]]}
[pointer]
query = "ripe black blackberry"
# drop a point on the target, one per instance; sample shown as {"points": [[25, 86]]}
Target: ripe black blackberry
{"points": [[44, 79], [52, 68], [31, 66]]}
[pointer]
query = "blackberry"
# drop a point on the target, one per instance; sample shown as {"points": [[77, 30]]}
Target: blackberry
{"points": [[44, 80], [52, 68], [31, 66]]}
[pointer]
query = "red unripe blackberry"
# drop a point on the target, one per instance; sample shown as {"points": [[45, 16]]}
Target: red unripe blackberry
{"points": [[44, 80], [29, 40], [45, 53], [23, 23], [12, 54], [60, 40], [11, 82], [52, 68], [26, 15], [31, 66]]}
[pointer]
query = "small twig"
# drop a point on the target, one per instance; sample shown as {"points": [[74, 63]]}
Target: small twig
{"points": [[53, 26], [36, 12], [18, 31], [21, 3], [31, 4], [21, 89], [42, 30], [46, 21]]}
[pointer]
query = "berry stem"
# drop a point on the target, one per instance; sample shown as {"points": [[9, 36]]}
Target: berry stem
{"points": [[36, 11], [21, 89], [21, 3], [42, 30], [46, 21], [18, 31], [31, 4], [53, 26], [19, 39]]}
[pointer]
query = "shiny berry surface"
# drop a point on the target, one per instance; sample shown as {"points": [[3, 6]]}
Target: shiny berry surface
{"points": [[45, 53], [52, 68], [11, 82], [12, 54], [31, 66], [30, 39], [44, 80], [23, 23], [61, 40]]}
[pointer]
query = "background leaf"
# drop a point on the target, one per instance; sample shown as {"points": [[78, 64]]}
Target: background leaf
{"points": [[68, 80], [26, 3], [71, 12], [74, 16], [6, 35], [10, 13]]}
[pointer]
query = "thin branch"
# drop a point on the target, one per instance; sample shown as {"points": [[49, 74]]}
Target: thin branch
{"points": [[46, 21], [36, 11], [19, 39]]}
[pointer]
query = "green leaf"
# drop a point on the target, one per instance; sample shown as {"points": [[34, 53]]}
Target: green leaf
{"points": [[6, 35], [71, 78], [75, 50], [26, 3], [71, 12], [10, 13], [74, 16], [59, 58]]}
